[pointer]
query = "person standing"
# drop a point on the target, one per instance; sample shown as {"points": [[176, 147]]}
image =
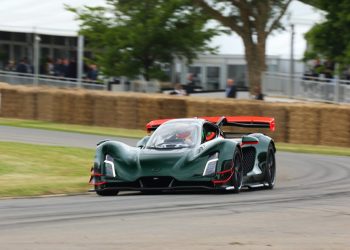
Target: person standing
{"points": [[189, 88], [231, 90], [258, 94], [178, 90]]}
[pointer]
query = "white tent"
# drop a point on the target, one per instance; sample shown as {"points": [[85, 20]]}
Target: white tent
{"points": [[42, 17]]}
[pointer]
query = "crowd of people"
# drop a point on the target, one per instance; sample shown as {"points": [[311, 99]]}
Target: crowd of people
{"points": [[60, 67], [230, 91]]}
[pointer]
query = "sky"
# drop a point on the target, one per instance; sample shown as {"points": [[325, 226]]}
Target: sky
{"points": [[50, 17], [279, 42]]}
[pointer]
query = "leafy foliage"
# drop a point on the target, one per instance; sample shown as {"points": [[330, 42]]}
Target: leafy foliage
{"points": [[132, 37], [330, 39]]}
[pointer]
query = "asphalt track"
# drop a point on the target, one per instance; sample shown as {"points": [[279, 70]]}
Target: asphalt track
{"points": [[308, 209]]}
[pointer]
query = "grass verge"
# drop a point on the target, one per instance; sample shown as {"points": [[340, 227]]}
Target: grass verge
{"points": [[27, 170], [313, 149]]}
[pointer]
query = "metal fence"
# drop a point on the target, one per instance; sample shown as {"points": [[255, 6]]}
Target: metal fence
{"points": [[306, 87], [45, 80]]}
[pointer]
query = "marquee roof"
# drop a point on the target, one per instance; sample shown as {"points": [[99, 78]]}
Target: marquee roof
{"points": [[43, 17]]}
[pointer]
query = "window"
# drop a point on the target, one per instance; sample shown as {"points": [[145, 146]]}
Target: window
{"points": [[213, 78], [5, 36], [237, 72]]}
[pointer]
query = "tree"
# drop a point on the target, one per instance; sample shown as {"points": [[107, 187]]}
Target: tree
{"points": [[330, 39], [253, 21], [132, 37]]}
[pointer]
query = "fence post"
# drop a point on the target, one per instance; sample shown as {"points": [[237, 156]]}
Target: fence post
{"points": [[80, 63], [292, 70], [336, 89], [37, 40]]}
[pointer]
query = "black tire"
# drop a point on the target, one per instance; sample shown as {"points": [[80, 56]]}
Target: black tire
{"points": [[270, 168], [237, 177], [107, 192]]}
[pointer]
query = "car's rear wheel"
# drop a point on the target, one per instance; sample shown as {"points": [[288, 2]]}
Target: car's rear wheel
{"points": [[237, 177], [270, 169], [107, 192]]}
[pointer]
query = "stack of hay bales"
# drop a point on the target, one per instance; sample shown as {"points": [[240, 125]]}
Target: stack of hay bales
{"points": [[45, 103], [301, 123], [18, 102], [62, 106], [197, 107], [280, 113], [172, 106], [82, 111], [335, 126], [104, 109], [66, 106], [304, 124], [127, 110], [149, 107]]}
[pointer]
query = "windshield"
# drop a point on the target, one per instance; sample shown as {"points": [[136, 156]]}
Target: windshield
{"points": [[174, 135]]}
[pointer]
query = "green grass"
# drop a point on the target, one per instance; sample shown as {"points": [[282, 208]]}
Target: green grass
{"points": [[313, 149], [132, 133], [27, 170]]}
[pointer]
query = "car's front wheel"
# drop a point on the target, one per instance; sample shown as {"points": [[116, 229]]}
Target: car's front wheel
{"points": [[107, 192]]}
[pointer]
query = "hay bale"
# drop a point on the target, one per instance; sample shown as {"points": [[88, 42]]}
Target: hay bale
{"points": [[304, 124], [149, 108], [196, 107], [45, 104], [335, 126], [127, 111], [104, 110], [280, 113], [18, 102], [172, 107], [82, 108]]}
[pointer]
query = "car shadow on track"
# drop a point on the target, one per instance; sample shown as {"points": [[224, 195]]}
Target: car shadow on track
{"points": [[189, 192]]}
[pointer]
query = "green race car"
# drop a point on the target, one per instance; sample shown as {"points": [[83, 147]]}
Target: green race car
{"points": [[188, 154]]}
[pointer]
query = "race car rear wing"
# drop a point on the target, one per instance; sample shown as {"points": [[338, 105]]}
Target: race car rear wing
{"points": [[243, 121], [153, 125], [238, 121]]}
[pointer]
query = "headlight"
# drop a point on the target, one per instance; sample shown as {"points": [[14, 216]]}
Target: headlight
{"points": [[210, 167], [109, 166]]}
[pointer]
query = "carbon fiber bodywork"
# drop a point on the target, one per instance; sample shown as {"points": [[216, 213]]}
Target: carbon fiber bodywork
{"points": [[208, 165]]}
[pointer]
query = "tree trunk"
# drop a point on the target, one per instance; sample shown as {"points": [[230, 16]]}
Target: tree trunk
{"points": [[256, 63]]}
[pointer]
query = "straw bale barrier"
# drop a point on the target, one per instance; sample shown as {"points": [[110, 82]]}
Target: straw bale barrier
{"points": [[20, 102], [303, 124], [325, 124], [335, 126]]}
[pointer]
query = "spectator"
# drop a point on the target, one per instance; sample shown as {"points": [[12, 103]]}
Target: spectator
{"points": [[49, 67], [178, 90], [189, 88], [59, 68], [258, 94], [231, 90], [92, 73], [72, 69], [24, 67], [11, 66]]}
